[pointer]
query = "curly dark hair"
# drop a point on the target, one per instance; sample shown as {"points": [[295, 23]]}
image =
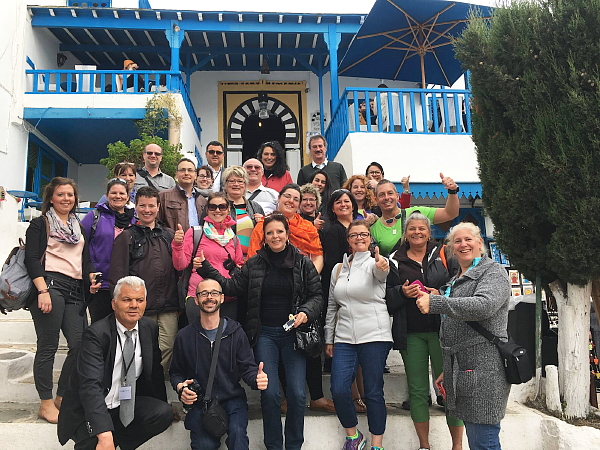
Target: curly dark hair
{"points": [[280, 165]]}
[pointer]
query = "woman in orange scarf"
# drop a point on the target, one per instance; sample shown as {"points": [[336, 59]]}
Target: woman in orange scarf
{"points": [[303, 234]]}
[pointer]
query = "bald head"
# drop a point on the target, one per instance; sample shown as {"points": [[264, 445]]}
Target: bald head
{"points": [[152, 156], [255, 172]]}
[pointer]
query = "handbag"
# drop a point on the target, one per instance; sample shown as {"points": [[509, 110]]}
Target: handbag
{"points": [[309, 336], [516, 361], [214, 419]]}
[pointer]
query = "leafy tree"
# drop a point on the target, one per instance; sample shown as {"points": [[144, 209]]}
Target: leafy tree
{"points": [[118, 152], [536, 124]]}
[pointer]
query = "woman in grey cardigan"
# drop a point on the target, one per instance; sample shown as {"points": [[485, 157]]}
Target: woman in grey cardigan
{"points": [[473, 376]]}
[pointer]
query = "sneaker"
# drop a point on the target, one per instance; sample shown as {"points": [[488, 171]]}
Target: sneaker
{"points": [[355, 444]]}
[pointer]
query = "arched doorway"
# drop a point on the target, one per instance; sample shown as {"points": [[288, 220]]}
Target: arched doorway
{"points": [[255, 131], [246, 131]]}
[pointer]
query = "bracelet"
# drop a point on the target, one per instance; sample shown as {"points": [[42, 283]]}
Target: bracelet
{"points": [[454, 191], [43, 291]]}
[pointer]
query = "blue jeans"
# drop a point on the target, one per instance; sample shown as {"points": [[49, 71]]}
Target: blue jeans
{"points": [[237, 437], [371, 356], [275, 344], [482, 436]]}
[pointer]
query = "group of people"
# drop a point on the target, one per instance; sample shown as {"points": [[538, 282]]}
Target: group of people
{"points": [[167, 267]]}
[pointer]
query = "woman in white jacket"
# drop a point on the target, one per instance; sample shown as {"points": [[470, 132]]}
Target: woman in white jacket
{"points": [[358, 331]]}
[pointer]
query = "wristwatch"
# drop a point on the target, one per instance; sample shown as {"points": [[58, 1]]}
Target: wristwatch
{"points": [[454, 191]]}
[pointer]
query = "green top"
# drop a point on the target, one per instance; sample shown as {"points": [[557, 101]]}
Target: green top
{"points": [[387, 237]]}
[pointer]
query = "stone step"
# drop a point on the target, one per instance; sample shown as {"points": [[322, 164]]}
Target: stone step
{"points": [[521, 429], [17, 329]]}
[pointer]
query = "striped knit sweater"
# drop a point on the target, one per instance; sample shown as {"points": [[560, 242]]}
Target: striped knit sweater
{"points": [[473, 371]]}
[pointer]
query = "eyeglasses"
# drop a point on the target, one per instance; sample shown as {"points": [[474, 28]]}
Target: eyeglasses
{"points": [[214, 294], [230, 181], [220, 207], [214, 152], [253, 167], [374, 172], [309, 200], [202, 176], [154, 153], [186, 170], [291, 197], [363, 235]]}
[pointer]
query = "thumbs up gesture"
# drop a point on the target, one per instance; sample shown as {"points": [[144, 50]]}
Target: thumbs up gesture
{"points": [[198, 260], [262, 381], [318, 222], [178, 238], [380, 262], [448, 182]]}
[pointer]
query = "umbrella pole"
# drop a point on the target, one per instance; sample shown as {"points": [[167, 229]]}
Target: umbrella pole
{"points": [[422, 56]]}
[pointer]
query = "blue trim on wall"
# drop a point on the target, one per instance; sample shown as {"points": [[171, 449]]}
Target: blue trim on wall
{"points": [[437, 190], [83, 113]]}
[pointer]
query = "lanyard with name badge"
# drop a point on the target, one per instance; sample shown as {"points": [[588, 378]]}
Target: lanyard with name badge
{"points": [[125, 389]]}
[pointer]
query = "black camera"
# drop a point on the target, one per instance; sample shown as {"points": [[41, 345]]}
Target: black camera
{"points": [[229, 264], [197, 389]]}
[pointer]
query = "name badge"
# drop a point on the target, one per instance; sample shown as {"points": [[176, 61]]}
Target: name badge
{"points": [[125, 393]]}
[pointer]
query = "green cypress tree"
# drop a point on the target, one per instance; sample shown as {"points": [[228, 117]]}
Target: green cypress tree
{"points": [[536, 124]]}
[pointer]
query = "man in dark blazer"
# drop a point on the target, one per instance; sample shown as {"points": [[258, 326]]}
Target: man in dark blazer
{"points": [[318, 152], [90, 413]]}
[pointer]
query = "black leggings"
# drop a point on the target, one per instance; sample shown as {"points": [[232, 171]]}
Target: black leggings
{"points": [[101, 305], [67, 302]]}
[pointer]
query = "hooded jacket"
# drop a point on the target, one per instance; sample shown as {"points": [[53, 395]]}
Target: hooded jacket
{"points": [[101, 241], [307, 292], [192, 354]]}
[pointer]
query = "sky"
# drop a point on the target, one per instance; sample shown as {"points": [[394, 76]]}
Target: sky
{"points": [[304, 6]]}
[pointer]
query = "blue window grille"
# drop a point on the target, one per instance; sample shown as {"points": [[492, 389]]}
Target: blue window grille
{"points": [[43, 164]]}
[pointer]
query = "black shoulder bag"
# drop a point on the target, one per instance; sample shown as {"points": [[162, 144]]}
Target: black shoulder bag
{"points": [[516, 362], [215, 419], [309, 336]]}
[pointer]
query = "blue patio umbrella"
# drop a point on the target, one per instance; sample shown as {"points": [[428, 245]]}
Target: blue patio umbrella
{"points": [[409, 40]]}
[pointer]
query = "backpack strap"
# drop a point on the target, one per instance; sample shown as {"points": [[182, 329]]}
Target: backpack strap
{"points": [[337, 272], [146, 176], [443, 256], [198, 233], [94, 224]]}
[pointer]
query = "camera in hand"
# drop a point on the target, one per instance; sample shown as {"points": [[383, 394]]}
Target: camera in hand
{"points": [[229, 264], [197, 389]]}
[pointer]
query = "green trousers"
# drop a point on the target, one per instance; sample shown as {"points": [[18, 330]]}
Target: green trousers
{"points": [[420, 348]]}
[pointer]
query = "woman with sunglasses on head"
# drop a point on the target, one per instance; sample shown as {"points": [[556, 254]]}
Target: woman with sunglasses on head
{"points": [[221, 248], [358, 331], [204, 180], [416, 336], [246, 213], [277, 174], [280, 282], [127, 172], [58, 262], [102, 226]]}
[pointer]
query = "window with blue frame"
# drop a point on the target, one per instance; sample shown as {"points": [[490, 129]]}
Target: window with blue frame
{"points": [[43, 164]]}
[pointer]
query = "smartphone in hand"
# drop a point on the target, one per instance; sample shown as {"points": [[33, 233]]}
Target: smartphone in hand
{"points": [[442, 389]]}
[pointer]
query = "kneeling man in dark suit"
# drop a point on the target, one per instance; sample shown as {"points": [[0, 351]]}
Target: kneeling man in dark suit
{"points": [[117, 395]]}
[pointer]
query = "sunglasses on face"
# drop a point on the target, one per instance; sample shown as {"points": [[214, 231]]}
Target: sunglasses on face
{"points": [[220, 207], [253, 167], [215, 152], [153, 153]]}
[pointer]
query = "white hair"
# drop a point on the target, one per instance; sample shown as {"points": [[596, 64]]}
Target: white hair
{"points": [[472, 229], [130, 281]]}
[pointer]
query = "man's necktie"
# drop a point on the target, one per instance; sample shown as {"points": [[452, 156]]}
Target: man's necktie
{"points": [[128, 379]]}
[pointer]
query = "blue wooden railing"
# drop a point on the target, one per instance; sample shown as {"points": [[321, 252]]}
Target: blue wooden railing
{"points": [[105, 82], [415, 111]]}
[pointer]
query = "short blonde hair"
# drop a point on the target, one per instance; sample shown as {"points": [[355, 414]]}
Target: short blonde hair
{"points": [[473, 231], [309, 188], [236, 171]]}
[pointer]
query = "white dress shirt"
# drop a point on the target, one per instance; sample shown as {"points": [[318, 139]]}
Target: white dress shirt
{"points": [[112, 399], [267, 198], [319, 166]]}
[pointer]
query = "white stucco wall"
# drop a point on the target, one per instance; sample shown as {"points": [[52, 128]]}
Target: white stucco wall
{"points": [[19, 41], [422, 156]]}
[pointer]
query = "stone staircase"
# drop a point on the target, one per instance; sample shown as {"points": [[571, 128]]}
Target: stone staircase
{"points": [[20, 429]]}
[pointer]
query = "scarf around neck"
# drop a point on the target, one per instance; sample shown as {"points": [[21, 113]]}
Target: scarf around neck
{"points": [[67, 234]]}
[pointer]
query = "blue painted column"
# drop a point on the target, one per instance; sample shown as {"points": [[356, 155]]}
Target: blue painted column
{"points": [[332, 39], [321, 99], [175, 38]]}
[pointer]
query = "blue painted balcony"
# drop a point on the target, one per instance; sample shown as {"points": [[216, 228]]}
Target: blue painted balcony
{"points": [[63, 104]]}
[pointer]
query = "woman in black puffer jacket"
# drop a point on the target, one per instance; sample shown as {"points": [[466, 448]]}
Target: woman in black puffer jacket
{"points": [[278, 282]]}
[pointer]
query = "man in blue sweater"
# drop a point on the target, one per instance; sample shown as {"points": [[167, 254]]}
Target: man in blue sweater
{"points": [[192, 355]]}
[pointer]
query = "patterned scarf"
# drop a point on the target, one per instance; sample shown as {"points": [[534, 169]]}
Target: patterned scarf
{"points": [[211, 232], [67, 234]]}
